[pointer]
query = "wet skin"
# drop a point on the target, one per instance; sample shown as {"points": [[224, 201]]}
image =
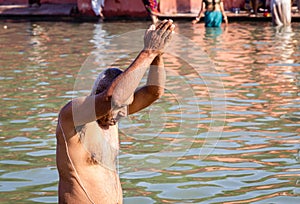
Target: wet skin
{"points": [[82, 177]]}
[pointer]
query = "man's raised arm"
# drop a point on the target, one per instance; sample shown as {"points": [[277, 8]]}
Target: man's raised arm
{"points": [[154, 88], [87, 109], [124, 86]]}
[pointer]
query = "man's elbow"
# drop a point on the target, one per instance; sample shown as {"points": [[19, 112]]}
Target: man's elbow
{"points": [[65, 111], [155, 91]]}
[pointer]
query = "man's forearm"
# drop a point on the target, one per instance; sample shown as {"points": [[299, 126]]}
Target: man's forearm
{"points": [[155, 40], [126, 83], [157, 73]]}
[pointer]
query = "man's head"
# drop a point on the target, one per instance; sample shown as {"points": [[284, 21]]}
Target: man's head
{"points": [[104, 79], [102, 82]]}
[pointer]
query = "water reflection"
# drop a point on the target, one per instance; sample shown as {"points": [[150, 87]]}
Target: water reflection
{"points": [[38, 42], [31, 58], [285, 43], [255, 161], [213, 33]]}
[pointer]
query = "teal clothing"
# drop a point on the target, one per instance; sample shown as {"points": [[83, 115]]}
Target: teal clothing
{"points": [[213, 18]]}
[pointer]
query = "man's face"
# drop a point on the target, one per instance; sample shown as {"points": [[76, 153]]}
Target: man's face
{"points": [[117, 113], [122, 111], [107, 120]]}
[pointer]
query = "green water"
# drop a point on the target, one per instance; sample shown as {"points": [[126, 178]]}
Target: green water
{"points": [[222, 133]]}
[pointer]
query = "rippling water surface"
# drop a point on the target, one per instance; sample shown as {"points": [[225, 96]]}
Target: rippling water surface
{"points": [[226, 130]]}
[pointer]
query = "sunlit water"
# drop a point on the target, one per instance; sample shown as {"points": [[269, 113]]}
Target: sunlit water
{"points": [[233, 144]]}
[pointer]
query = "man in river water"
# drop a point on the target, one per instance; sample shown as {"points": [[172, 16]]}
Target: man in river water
{"points": [[87, 134]]}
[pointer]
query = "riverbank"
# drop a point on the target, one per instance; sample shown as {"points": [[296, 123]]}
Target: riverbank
{"points": [[69, 12]]}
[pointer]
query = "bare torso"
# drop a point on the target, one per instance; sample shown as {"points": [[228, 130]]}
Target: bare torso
{"points": [[88, 175], [211, 5]]}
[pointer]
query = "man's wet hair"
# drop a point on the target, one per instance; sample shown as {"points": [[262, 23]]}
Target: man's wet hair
{"points": [[102, 82], [104, 79]]}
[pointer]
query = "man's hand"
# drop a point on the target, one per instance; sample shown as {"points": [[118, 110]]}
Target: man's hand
{"points": [[155, 39]]}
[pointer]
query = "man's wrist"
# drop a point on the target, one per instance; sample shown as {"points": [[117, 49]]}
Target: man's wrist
{"points": [[151, 53]]}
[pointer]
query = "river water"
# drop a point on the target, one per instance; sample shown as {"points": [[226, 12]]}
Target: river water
{"points": [[227, 129]]}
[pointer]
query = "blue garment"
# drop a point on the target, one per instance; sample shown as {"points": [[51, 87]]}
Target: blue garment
{"points": [[213, 18]]}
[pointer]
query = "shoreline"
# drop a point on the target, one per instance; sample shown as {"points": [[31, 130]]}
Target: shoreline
{"points": [[67, 12]]}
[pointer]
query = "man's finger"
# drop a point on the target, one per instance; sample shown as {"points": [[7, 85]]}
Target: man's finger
{"points": [[168, 35], [161, 24], [166, 26], [172, 28], [152, 27], [169, 31]]}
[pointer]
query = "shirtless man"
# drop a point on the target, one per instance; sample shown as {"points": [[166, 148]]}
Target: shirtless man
{"points": [[87, 134]]}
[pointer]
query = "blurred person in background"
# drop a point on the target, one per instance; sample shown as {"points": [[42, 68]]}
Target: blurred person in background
{"points": [[281, 12], [98, 6], [152, 7], [213, 13]]}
